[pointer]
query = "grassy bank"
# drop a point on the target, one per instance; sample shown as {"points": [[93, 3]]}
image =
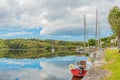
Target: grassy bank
{"points": [[113, 65]]}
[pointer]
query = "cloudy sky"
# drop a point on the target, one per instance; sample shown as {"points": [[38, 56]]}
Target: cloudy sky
{"points": [[53, 19]]}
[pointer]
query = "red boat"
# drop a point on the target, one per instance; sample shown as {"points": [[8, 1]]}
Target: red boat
{"points": [[78, 72]]}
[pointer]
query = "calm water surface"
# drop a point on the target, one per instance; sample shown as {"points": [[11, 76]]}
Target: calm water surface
{"points": [[37, 69]]}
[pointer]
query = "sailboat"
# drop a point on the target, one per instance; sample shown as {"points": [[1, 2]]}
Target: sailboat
{"points": [[79, 69], [84, 66]]}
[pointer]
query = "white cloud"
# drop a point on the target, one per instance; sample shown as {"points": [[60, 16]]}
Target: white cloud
{"points": [[16, 33], [66, 36], [57, 17]]}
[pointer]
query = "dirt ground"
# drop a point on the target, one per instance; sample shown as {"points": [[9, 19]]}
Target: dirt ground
{"points": [[95, 73]]}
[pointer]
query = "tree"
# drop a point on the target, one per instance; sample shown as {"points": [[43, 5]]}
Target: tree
{"points": [[91, 42], [114, 20]]}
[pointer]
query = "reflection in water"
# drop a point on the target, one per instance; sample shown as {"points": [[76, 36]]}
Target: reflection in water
{"points": [[36, 69], [76, 78], [32, 54]]}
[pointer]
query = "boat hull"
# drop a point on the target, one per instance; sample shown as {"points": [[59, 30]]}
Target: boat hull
{"points": [[78, 73]]}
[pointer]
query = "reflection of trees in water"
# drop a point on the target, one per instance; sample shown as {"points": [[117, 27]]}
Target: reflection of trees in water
{"points": [[24, 53], [32, 54], [13, 53], [3, 53]]}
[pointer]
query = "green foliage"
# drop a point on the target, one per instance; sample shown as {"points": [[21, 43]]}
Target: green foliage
{"points": [[114, 20], [38, 44], [35, 48], [107, 41], [3, 44], [92, 42], [17, 44]]}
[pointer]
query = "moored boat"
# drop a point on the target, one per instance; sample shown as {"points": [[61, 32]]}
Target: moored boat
{"points": [[79, 69]]}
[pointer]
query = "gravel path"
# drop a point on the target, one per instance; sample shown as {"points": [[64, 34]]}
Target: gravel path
{"points": [[95, 73]]}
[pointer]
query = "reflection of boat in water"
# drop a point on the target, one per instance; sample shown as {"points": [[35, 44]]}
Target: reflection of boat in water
{"points": [[76, 78]]}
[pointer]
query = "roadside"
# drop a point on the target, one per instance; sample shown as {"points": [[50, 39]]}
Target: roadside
{"points": [[113, 64]]}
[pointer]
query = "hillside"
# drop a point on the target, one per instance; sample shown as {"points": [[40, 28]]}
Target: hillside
{"points": [[35, 48]]}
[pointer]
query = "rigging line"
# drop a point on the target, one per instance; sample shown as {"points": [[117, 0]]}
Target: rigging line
{"points": [[88, 50], [86, 37], [99, 35], [88, 42]]}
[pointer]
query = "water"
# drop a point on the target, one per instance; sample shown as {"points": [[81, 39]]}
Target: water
{"points": [[37, 69]]}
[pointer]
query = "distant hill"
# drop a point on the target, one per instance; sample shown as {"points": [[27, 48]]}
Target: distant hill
{"points": [[36, 48]]}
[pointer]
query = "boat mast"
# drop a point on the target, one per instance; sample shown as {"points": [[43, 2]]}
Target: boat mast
{"points": [[84, 34], [96, 31]]}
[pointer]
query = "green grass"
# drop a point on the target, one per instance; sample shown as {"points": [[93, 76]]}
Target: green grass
{"points": [[113, 65]]}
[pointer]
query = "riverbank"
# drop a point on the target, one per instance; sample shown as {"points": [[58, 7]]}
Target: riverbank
{"points": [[105, 67]]}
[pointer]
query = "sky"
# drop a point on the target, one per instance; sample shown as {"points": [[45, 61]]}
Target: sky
{"points": [[54, 19]]}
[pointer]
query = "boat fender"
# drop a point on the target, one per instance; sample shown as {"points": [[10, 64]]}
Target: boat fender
{"points": [[71, 66]]}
